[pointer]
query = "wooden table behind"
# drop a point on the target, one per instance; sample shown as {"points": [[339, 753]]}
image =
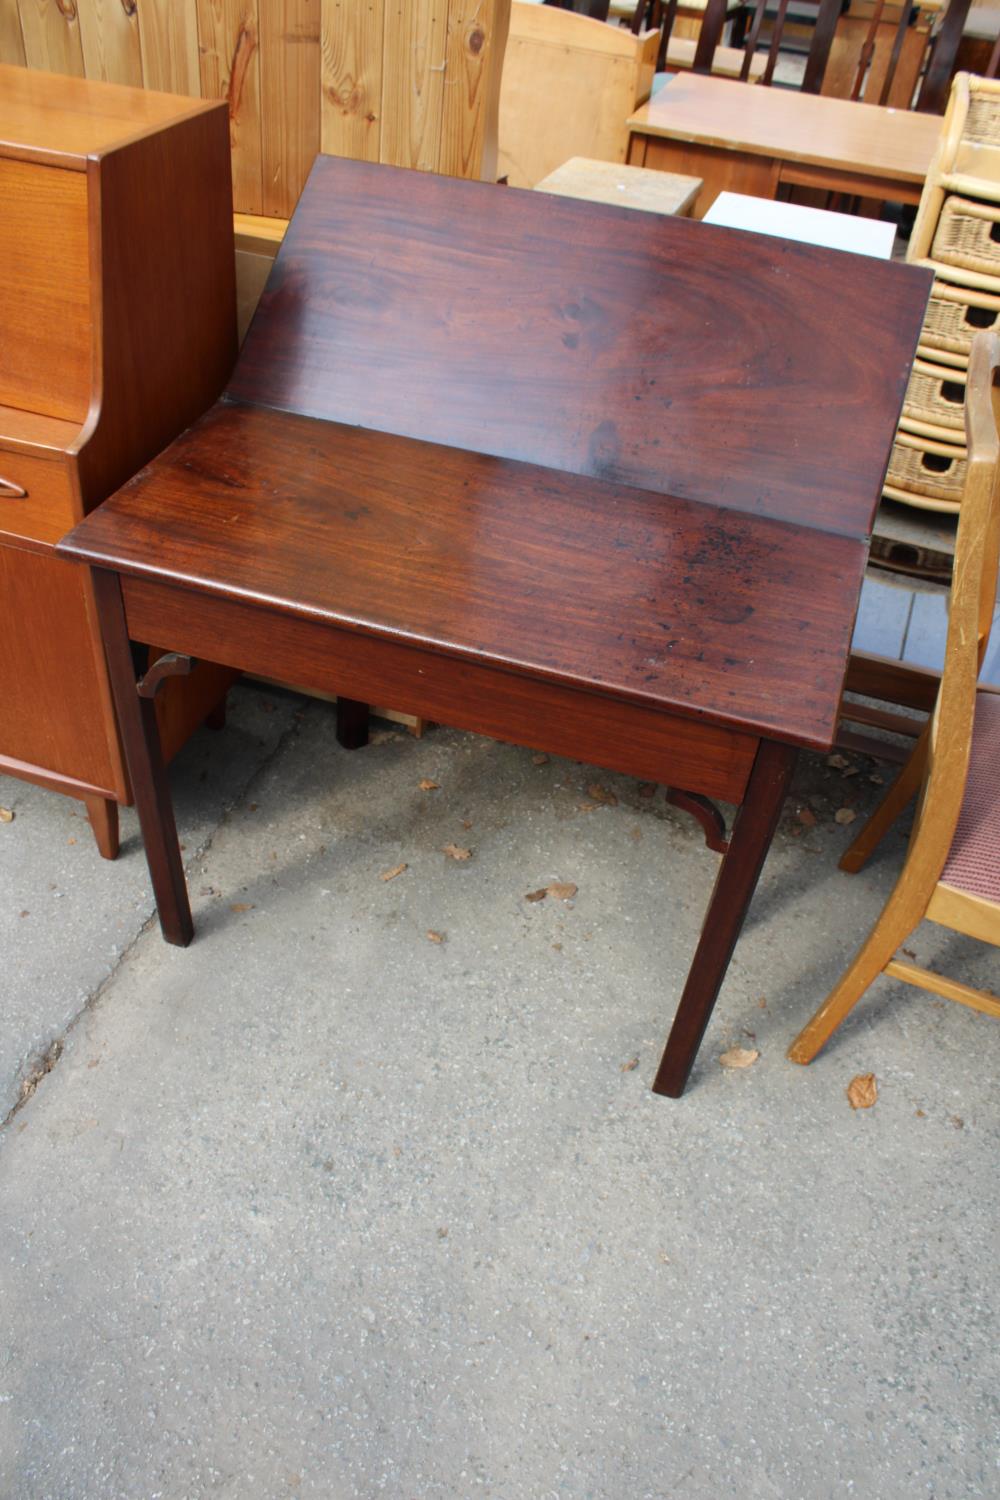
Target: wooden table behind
{"points": [[750, 140]]}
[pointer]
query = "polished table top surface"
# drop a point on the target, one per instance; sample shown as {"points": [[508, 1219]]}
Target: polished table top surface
{"points": [[866, 138], [587, 444]]}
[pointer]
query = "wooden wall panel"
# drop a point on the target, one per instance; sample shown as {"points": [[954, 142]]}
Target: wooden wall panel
{"points": [[109, 30], [290, 94], [168, 30], [11, 40], [411, 82], [51, 36], [413, 68], [352, 43], [477, 37], [229, 43]]}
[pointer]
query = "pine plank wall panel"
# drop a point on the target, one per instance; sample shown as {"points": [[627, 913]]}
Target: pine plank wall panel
{"points": [[168, 31], [51, 36], [11, 40], [413, 69], [109, 30], [412, 82], [290, 94], [352, 44], [229, 44], [477, 37]]}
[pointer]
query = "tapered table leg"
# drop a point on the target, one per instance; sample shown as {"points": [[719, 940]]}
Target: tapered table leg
{"points": [[144, 757], [753, 830], [102, 815]]}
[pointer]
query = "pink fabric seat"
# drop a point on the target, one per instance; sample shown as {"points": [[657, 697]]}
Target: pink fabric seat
{"points": [[973, 863]]}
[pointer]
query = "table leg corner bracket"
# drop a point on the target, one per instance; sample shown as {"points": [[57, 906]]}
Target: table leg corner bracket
{"points": [[172, 664], [707, 814]]}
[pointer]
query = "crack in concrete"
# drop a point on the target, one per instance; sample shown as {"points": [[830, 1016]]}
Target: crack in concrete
{"points": [[41, 1064]]}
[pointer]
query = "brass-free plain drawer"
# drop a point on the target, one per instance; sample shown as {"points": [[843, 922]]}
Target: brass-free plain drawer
{"points": [[36, 500]]}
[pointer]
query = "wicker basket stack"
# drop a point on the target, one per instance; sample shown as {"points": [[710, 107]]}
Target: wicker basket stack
{"points": [[957, 234]]}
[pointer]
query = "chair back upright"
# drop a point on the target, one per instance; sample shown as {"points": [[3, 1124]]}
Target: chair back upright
{"points": [[971, 606], [827, 14]]}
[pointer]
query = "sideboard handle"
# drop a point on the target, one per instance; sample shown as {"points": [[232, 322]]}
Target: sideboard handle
{"points": [[11, 491]]}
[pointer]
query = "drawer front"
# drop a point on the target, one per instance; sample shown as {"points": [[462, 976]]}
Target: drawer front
{"points": [[36, 499], [45, 318]]}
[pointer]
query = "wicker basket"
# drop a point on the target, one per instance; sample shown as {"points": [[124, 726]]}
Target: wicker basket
{"points": [[935, 397], [933, 471], [968, 235], [955, 315], [982, 123]]}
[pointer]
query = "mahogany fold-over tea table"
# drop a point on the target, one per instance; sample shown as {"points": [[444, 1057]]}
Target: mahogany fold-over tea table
{"points": [[588, 480]]}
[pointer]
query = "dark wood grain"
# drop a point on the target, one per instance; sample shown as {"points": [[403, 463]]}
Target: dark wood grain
{"points": [[465, 693], [688, 607], [590, 481], [635, 348], [734, 887]]}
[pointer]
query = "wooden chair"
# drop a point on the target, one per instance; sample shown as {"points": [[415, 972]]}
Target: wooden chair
{"points": [[827, 14], [952, 869]]}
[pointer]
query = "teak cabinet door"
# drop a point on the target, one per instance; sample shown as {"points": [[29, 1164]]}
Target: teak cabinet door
{"points": [[45, 317], [54, 708]]}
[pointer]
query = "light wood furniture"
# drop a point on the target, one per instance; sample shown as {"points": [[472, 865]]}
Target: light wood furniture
{"points": [[401, 81], [952, 869], [590, 538], [117, 329], [570, 84], [628, 187], [953, 235], [878, 51], [820, 27], [707, 128]]}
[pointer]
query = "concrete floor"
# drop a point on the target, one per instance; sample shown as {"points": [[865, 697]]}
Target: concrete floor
{"points": [[320, 1207]]}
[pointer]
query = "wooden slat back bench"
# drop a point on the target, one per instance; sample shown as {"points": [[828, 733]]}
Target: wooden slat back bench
{"points": [[588, 480]]}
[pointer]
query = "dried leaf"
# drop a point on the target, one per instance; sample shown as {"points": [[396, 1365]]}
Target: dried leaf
{"points": [[844, 815], [537, 895], [957, 1121], [762, 1003], [807, 816], [6, 815], [839, 762], [635, 833], [466, 822], [428, 786], [862, 1091], [633, 1062], [540, 759], [241, 906], [561, 890], [442, 1233], [71, 841], [920, 1114], [586, 807], [391, 874], [601, 794], [739, 1057], [434, 937], [455, 851]]}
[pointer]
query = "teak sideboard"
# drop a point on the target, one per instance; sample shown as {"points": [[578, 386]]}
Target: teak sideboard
{"points": [[117, 329]]}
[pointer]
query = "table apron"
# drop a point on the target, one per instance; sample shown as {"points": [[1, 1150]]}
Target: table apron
{"points": [[843, 180], [589, 726]]}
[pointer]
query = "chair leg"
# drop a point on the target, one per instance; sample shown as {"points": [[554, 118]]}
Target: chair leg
{"points": [[102, 816], [902, 913], [901, 792]]}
